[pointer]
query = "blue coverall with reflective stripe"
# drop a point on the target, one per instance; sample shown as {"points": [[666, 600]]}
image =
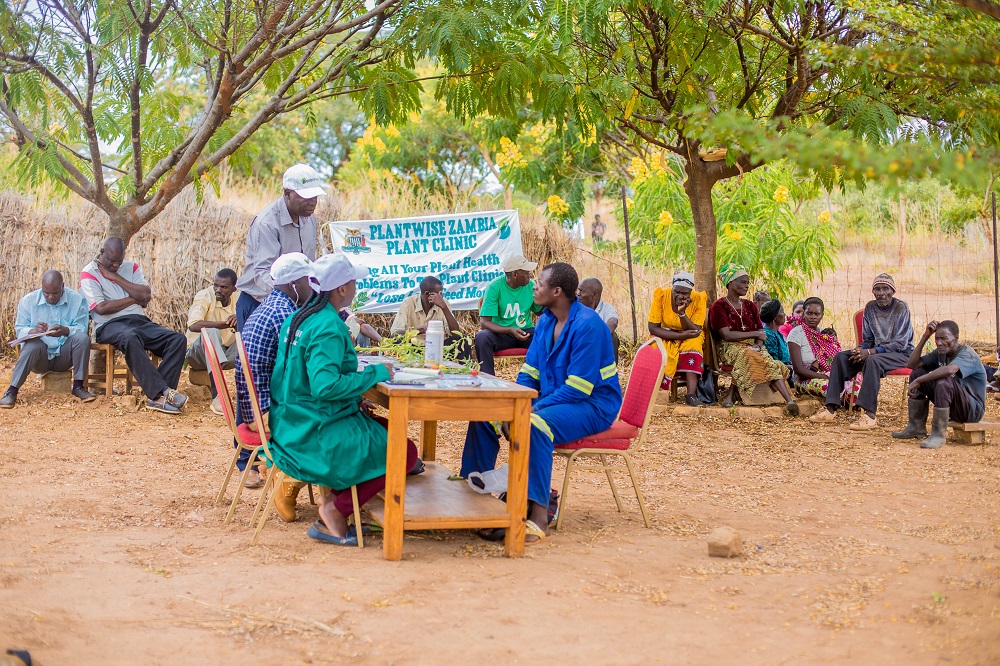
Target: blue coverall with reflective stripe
{"points": [[578, 395]]}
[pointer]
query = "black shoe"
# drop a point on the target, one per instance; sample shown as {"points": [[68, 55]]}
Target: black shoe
{"points": [[84, 395], [692, 401], [162, 405], [418, 468], [8, 400]]}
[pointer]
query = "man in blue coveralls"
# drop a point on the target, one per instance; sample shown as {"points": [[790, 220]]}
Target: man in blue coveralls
{"points": [[571, 363]]}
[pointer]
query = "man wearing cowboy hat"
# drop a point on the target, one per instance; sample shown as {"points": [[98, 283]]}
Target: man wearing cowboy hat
{"points": [[886, 344]]}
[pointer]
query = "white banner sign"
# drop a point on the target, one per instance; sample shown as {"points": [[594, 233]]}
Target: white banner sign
{"points": [[464, 251]]}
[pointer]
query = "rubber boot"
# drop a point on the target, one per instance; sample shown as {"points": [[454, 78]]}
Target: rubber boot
{"points": [[939, 429], [284, 500], [917, 426]]}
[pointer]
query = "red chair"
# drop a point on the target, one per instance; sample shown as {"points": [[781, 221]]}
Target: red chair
{"points": [[637, 407], [859, 317], [246, 439]]}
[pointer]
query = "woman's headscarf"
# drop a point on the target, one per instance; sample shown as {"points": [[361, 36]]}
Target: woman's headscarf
{"points": [[770, 310], [731, 272], [683, 279]]}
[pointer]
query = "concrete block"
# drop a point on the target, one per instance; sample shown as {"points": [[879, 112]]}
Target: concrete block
{"points": [[750, 413], [808, 407], [198, 393], [198, 377], [725, 542], [58, 382], [774, 412], [686, 410], [717, 412]]}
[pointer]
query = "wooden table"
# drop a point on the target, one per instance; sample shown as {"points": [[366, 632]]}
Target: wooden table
{"points": [[430, 501]]}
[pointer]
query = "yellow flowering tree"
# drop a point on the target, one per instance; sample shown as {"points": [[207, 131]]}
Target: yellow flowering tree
{"points": [[758, 225]]}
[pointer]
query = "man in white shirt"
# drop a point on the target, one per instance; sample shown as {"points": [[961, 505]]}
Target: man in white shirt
{"points": [[117, 294], [589, 292], [288, 224]]}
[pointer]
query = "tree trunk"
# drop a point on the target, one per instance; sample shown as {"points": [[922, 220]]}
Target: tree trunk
{"points": [[508, 197], [698, 187], [123, 224], [902, 230]]}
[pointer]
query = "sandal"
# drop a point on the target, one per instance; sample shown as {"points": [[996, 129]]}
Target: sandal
{"points": [[532, 529], [319, 532]]}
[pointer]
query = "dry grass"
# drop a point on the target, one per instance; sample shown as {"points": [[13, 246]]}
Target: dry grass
{"points": [[183, 248]]}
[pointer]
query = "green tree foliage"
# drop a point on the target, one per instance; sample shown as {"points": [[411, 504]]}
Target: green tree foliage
{"points": [[730, 86], [760, 225], [174, 89]]}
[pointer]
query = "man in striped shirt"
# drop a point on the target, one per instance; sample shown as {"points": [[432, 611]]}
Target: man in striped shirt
{"points": [[287, 225], [117, 294]]}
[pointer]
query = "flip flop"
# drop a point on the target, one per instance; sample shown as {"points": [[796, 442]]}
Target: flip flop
{"points": [[323, 535], [532, 529], [351, 529]]}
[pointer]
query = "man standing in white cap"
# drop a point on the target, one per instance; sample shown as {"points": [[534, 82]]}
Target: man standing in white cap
{"points": [[292, 277], [505, 315], [287, 225]]}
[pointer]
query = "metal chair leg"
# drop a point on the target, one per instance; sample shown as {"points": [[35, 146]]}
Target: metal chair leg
{"points": [[267, 508], [242, 485], [635, 485], [229, 475], [611, 482], [268, 486], [561, 509], [357, 517]]}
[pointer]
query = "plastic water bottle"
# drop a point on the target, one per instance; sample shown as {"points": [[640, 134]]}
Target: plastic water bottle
{"points": [[434, 343]]}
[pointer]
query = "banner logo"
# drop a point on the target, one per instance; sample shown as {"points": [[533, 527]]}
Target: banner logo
{"points": [[354, 241]]}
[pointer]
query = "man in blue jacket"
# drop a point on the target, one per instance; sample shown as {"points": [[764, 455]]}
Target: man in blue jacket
{"points": [[571, 363]]}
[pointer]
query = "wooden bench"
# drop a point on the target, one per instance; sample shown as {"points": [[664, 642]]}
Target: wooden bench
{"points": [[972, 433]]}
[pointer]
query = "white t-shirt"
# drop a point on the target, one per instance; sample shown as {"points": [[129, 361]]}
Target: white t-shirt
{"points": [[606, 311], [96, 289], [798, 336]]}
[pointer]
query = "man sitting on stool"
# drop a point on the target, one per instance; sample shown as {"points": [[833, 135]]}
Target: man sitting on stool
{"points": [[952, 377], [212, 317], [505, 315], [118, 294], [61, 314]]}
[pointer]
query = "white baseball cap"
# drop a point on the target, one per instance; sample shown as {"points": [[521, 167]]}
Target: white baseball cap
{"points": [[288, 268], [335, 270], [517, 262], [305, 181]]}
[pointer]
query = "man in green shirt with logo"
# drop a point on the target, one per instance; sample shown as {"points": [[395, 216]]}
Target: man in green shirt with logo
{"points": [[505, 315]]}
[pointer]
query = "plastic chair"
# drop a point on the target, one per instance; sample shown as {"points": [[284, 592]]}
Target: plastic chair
{"points": [[859, 317], [246, 439], [275, 476], [637, 407], [513, 352]]}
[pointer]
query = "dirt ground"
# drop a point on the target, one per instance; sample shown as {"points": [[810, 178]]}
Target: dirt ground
{"points": [[857, 549]]}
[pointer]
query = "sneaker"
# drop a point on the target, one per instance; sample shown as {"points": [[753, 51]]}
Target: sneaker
{"points": [[176, 399], [253, 480], [8, 400], [824, 415], [161, 405], [83, 395], [864, 422], [217, 406]]}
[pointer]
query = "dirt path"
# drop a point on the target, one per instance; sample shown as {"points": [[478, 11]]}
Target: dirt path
{"points": [[858, 549]]}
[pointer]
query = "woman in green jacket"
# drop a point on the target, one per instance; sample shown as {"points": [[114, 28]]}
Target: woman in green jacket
{"points": [[319, 434]]}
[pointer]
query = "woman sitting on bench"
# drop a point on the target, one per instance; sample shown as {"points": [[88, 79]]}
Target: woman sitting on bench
{"points": [[736, 324]]}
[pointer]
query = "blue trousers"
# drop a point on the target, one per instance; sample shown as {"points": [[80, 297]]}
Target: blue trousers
{"points": [[245, 305], [550, 426]]}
